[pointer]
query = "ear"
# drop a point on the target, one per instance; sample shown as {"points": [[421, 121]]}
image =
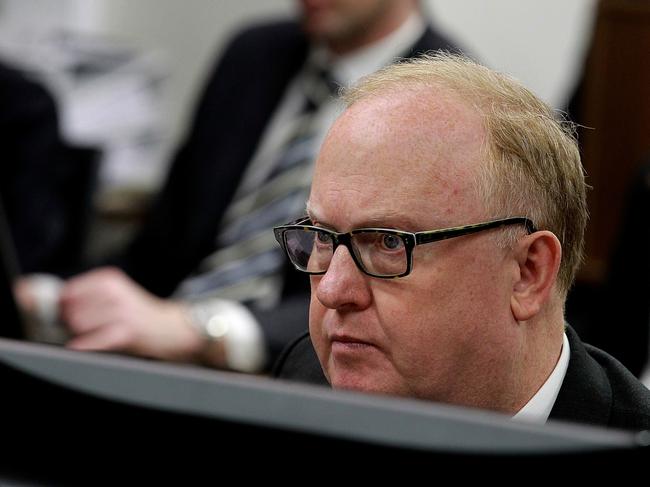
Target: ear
{"points": [[538, 256]]}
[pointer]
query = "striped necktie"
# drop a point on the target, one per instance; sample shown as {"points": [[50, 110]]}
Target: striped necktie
{"points": [[247, 265]]}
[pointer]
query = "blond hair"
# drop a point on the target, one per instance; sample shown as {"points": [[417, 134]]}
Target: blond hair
{"points": [[532, 160]]}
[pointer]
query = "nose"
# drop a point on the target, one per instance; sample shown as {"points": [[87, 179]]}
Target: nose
{"points": [[343, 285]]}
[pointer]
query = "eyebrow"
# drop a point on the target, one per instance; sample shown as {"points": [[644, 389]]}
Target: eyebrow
{"points": [[401, 222]]}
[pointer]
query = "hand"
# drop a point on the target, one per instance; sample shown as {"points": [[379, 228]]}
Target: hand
{"points": [[105, 310]]}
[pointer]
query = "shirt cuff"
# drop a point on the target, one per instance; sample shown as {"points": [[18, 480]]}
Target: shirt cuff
{"points": [[235, 326]]}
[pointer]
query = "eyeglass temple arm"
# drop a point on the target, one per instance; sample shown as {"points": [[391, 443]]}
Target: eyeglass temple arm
{"points": [[436, 235]]}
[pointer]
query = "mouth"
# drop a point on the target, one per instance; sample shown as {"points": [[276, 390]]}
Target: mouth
{"points": [[348, 343]]}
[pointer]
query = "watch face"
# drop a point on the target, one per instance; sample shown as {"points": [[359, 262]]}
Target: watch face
{"points": [[217, 327], [235, 339]]}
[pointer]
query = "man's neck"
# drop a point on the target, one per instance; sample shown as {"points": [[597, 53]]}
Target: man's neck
{"points": [[539, 407], [542, 347]]}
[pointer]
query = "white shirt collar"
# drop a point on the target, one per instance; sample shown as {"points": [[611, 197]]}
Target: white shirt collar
{"points": [[539, 407], [349, 68]]}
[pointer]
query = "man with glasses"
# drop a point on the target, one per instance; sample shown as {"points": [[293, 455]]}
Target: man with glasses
{"points": [[444, 228]]}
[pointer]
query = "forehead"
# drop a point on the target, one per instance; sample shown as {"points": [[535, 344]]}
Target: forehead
{"points": [[414, 153]]}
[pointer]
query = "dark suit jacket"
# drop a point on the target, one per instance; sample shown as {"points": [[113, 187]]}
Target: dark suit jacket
{"points": [[237, 103], [596, 390]]}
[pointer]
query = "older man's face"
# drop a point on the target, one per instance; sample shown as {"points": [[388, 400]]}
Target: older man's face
{"points": [[445, 332]]}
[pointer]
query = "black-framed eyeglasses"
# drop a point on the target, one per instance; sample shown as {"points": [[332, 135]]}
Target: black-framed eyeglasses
{"points": [[378, 252]]}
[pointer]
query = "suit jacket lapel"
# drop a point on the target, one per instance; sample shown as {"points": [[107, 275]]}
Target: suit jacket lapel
{"points": [[586, 394]]}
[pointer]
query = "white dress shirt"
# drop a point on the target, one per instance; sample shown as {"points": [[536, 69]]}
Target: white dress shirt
{"points": [[539, 407]]}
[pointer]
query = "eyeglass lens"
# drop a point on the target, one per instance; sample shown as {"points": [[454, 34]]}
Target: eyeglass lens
{"points": [[379, 253]]}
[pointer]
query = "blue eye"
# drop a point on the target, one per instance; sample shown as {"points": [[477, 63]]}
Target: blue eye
{"points": [[391, 242]]}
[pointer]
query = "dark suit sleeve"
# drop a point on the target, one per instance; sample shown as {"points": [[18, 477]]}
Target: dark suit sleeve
{"points": [[299, 362], [283, 323]]}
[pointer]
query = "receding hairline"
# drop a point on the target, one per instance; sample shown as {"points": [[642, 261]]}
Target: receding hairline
{"points": [[532, 164], [455, 75], [415, 72]]}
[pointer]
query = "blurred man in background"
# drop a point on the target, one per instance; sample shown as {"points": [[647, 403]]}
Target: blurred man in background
{"points": [[203, 279]]}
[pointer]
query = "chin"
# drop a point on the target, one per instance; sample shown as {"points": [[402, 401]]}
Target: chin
{"points": [[351, 381]]}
